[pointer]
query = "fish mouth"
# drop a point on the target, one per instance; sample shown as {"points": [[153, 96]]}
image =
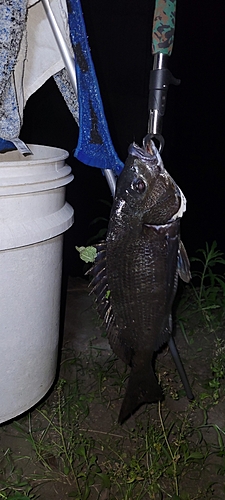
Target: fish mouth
{"points": [[144, 155], [150, 154]]}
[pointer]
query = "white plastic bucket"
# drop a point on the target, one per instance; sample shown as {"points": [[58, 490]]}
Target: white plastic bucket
{"points": [[33, 218]]}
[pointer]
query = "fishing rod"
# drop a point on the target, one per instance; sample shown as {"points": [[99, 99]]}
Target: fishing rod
{"points": [[160, 79], [160, 76]]}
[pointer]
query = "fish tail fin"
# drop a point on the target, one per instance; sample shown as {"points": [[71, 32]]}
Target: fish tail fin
{"points": [[142, 388]]}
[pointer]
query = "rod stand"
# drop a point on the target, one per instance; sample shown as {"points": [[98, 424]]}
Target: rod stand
{"points": [[180, 368]]}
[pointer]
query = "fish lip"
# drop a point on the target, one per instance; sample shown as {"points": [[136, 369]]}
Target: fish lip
{"points": [[135, 150]]}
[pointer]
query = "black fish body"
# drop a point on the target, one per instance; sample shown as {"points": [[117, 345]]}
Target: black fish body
{"points": [[139, 265]]}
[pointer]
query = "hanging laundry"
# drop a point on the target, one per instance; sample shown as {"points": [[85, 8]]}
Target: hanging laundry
{"points": [[12, 27], [94, 146], [29, 61], [35, 56]]}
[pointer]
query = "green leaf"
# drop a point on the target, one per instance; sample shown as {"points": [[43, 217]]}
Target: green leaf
{"points": [[88, 254], [98, 219], [81, 451], [86, 492], [131, 480], [105, 480], [81, 474], [101, 233], [66, 470], [221, 282], [91, 480], [204, 395], [196, 455], [18, 496], [93, 460]]}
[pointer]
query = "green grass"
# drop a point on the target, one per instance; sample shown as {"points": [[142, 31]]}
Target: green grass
{"points": [[204, 298], [13, 485], [170, 450], [158, 457]]}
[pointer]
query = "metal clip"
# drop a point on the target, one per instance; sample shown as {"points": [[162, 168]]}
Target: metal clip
{"points": [[160, 78]]}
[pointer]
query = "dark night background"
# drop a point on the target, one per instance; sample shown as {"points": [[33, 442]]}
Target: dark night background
{"points": [[120, 39]]}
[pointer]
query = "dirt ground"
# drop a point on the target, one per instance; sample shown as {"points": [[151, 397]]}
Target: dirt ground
{"points": [[82, 334]]}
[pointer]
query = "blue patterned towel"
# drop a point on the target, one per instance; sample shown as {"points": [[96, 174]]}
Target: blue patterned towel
{"points": [[94, 146], [6, 145], [12, 25]]}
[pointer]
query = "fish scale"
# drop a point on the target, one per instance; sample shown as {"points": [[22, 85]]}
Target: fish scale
{"points": [[139, 265], [137, 296]]}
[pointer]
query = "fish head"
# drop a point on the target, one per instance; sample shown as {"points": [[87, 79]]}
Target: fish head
{"points": [[146, 193]]}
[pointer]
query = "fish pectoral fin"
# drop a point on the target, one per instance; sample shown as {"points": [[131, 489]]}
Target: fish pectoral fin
{"points": [[183, 264], [142, 388]]}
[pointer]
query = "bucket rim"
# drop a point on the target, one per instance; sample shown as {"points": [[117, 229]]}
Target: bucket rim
{"points": [[54, 154]]}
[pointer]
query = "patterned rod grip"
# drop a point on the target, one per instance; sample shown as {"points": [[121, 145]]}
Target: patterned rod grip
{"points": [[163, 26]]}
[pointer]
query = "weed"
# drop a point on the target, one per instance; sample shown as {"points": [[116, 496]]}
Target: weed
{"points": [[76, 444], [13, 486], [218, 368], [210, 291], [204, 301], [153, 460]]}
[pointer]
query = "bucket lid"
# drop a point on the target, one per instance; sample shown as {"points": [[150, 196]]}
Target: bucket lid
{"points": [[20, 176], [43, 170]]}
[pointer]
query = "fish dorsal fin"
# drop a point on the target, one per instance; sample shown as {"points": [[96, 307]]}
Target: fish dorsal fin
{"points": [[98, 284], [100, 289], [183, 264]]}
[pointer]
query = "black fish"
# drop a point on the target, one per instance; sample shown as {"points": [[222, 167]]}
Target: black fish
{"points": [[136, 269]]}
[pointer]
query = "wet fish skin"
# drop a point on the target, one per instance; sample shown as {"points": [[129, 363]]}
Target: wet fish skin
{"points": [[159, 198], [142, 288], [140, 260]]}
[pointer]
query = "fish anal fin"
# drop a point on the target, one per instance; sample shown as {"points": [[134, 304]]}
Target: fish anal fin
{"points": [[142, 388], [183, 264], [118, 346], [165, 335]]}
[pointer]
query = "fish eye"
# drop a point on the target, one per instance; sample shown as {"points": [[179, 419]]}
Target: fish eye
{"points": [[139, 185]]}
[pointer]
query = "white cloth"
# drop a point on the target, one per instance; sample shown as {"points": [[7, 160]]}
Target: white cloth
{"points": [[43, 57], [38, 59]]}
